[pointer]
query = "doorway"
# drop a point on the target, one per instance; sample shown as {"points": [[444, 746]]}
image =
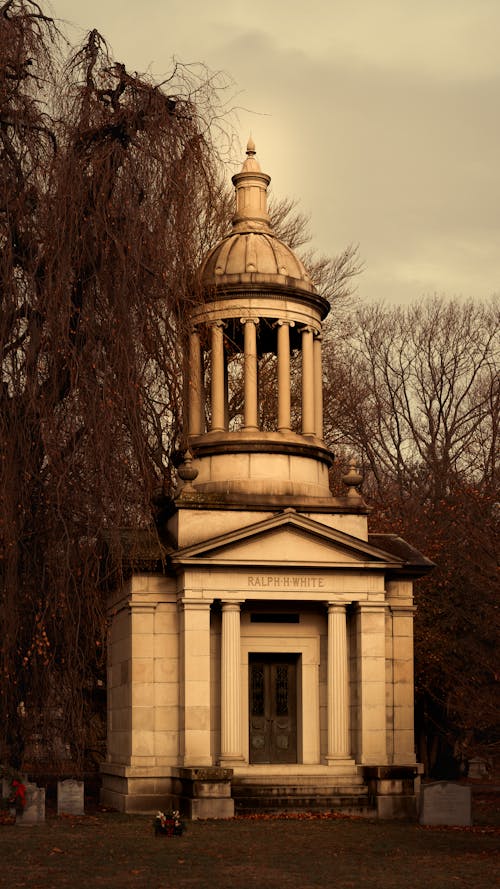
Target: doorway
{"points": [[273, 708]]}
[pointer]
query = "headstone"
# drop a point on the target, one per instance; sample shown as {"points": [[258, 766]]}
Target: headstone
{"points": [[443, 802], [478, 768], [70, 797], [34, 810]]}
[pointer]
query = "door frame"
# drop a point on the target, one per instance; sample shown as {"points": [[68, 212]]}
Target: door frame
{"points": [[270, 717], [307, 651]]}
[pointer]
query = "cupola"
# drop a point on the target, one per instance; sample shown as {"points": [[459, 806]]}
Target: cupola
{"points": [[259, 321]]}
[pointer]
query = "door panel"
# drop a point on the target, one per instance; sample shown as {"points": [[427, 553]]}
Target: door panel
{"points": [[273, 708]]}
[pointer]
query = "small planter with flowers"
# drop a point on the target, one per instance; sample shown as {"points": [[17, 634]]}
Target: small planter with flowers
{"points": [[168, 824]]}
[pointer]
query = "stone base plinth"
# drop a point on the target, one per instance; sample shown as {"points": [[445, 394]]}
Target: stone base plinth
{"points": [[394, 790], [196, 792]]}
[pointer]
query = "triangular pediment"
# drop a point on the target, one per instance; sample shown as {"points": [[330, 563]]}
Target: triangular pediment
{"points": [[290, 539]]}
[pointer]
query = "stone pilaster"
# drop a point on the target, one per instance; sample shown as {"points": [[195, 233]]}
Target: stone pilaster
{"points": [[403, 685], [195, 682], [370, 645]]}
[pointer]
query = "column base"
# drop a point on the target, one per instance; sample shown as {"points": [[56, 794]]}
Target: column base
{"points": [[230, 759], [345, 761]]}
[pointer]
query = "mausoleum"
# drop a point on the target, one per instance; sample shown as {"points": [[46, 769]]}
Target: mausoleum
{"points": [[266, 660]]}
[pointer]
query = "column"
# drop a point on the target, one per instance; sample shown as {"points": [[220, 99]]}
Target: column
{"points": [[307, 382], [250, 415], [195, 377], [284, 418], [195, 682], [217, 382], [338, 687], [230, 747], [318, 387]]}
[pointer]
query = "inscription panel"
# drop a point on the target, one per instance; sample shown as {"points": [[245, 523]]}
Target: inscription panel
{"points": [[285, 582]]}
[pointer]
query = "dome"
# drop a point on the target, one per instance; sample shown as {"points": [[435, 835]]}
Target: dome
{"points": [[251, 253], [254, 257]]}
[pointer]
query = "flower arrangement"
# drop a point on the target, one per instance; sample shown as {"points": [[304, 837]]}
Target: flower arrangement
{"points": [[168, 823], [15, 800]]}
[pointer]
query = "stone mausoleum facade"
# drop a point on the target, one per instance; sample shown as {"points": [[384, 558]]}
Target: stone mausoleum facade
{"points": [[268, 661]]}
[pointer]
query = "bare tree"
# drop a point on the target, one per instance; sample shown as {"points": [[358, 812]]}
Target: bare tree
{"points": [[104, 180], [414, 392]]}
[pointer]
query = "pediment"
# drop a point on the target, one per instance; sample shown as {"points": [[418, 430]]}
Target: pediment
{"points": [[290, 539]]}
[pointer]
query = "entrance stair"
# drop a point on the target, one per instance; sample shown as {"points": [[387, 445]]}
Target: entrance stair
{"points": [[279, 794]]}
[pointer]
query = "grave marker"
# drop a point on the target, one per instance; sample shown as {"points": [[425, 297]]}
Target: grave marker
{"points": [[34, 810], [443, 802], [70, 797]]}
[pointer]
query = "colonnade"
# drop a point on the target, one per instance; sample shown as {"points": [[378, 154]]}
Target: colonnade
{"points": [[312, 400], [337, 695]]}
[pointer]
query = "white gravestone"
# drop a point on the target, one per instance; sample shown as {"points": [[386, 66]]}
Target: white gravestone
{"points": [[443, 802], [34, 810], [70, 797]]}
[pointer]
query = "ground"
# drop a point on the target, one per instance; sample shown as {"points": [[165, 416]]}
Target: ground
{"points": [[104, 849]]}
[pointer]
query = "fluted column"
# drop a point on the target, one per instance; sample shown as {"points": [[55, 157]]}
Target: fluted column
{"points": [[251, 409], [307, 381], [230, 684], [338, 688], [318, 387], [284, 409], [195, 395], [217, 382]]}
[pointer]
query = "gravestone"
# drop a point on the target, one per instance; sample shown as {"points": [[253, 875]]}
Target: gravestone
{"points": [[443, 802], [34, 810], [70, 797], [478, 768]]}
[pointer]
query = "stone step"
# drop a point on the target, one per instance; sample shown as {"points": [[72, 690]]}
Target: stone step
{"points": [[299, 781], [256, 791], [347, 805]]}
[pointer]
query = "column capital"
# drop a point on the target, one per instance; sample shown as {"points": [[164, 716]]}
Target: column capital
{"points": [[281, 321], [232, 604], [335, 606], [217, 322], [252, 318]]}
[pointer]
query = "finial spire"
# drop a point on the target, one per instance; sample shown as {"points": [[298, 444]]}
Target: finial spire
{"points": [[251, 194]]}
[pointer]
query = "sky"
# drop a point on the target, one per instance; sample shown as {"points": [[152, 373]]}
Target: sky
{"points": [[382, 117]]}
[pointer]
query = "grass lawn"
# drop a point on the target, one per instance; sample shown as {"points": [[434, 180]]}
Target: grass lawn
{"points": [[105, 849]]}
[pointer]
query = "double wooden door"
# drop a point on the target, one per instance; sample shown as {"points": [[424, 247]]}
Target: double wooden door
{"points": [[273, 708]]}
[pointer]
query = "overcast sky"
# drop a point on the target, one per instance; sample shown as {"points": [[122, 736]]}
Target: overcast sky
{"points": [[381, 116]]}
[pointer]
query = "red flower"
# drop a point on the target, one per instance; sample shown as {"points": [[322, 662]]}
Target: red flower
{"points": [[19, 793]]}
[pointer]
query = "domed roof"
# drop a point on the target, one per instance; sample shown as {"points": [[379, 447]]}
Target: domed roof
{"points": [[252, 253]]}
